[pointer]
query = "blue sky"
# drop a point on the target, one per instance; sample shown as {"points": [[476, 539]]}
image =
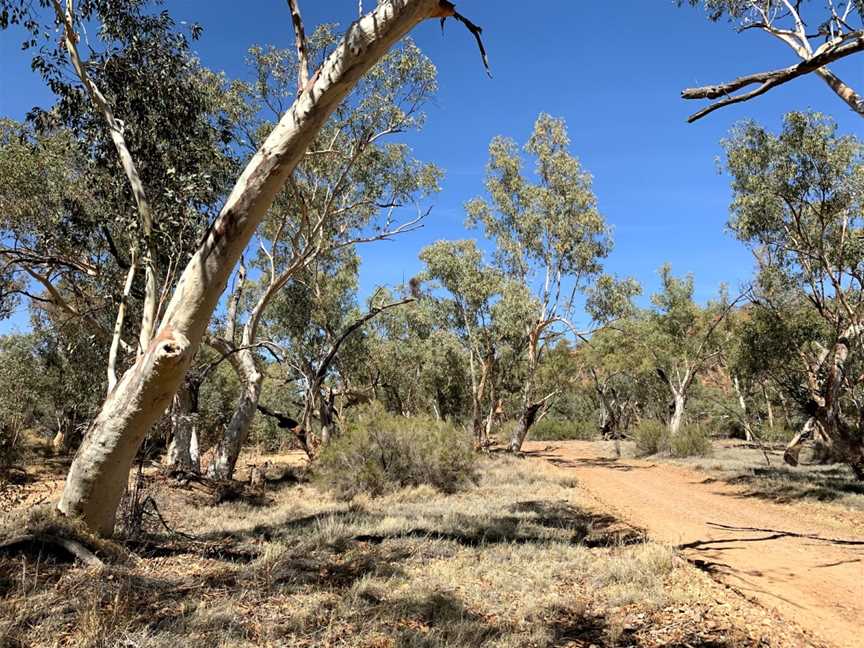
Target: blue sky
{"points": [[614, 71]]}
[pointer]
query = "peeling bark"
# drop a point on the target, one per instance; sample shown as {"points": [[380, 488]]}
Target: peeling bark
{"points": [[183, 453], [100, 470]]}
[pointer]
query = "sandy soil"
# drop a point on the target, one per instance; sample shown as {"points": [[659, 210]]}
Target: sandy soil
{"points": [[809, 567]]}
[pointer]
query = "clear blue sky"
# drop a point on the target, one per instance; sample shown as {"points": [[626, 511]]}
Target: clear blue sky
{"points": [[613, 70]]}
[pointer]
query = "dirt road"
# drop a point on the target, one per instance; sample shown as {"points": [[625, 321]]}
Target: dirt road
{"points": [[809, 567]]}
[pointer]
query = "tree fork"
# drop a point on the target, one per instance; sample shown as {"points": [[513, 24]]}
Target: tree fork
{"points": [[99, 473]]}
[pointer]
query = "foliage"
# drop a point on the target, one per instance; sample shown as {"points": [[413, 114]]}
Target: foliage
{"points": [[379, 452], [653, 438], [554, 429], [48, 379], [797, 203]]}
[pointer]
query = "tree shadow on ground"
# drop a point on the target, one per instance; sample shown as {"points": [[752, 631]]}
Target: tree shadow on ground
{"points": [[620, 464], [576, 526], [574, 626], [784, 485], [589, 528]]}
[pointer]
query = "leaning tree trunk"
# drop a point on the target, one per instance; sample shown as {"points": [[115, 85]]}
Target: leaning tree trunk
{"points": [[245, 364], [826, 422], [228, 450], [529, 409], [526, 421], [99, 473], [842, 90]]}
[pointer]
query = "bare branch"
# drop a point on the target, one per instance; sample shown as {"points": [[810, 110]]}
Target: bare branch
{"points": [[826, 54], [448, 10], [300, 44], [115, 126]]}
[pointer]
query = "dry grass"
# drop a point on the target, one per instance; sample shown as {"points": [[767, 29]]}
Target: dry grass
{"points": [[518, 560]]}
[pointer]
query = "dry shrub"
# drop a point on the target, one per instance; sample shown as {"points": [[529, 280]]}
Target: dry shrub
{"points": [[379, 453], [653, 438], [691, 441]]}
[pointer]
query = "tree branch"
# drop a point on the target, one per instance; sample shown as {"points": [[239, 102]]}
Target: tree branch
{"points": [[828, 53], [116, 127], [300, 44]]}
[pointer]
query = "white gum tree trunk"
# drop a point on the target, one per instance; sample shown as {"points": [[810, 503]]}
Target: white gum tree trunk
{"points": [[529, 409], [228, 450], [99, 472], [183, 450], [679, 402]]}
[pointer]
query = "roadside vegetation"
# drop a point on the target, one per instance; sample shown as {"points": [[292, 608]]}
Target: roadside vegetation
{"points": [[213, 431], [518, 559]]}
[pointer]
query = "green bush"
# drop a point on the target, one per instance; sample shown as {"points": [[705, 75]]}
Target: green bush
{"points": [[780, 434], [379, 452], [563, 430], [691, 441], [653, 438]]}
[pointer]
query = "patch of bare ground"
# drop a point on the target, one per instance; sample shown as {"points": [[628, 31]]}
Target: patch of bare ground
{"points": [[828, 491], [800, 557], [525, 558]]}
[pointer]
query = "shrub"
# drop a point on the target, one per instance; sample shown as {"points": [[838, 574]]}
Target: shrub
{"points": [[779, 434], [653, 438], [691, 441], [379, 452], [563, 430]]}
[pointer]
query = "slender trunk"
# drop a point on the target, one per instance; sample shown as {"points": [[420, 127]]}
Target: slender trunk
{"points": [[183, 449], [769, 408], [785, 407], [748, 432], [679, 401], [98, 475], [228, 449], [117, 335], [477, 402]]}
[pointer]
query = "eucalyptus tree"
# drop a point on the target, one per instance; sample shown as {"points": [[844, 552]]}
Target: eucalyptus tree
{"points": [[348, 190], [99, 473], [549, 236], [316, 331], [71, 227], [829, 32], [413, 362], [797, 204], [684, 339], [472, 290], [613, 365]]}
